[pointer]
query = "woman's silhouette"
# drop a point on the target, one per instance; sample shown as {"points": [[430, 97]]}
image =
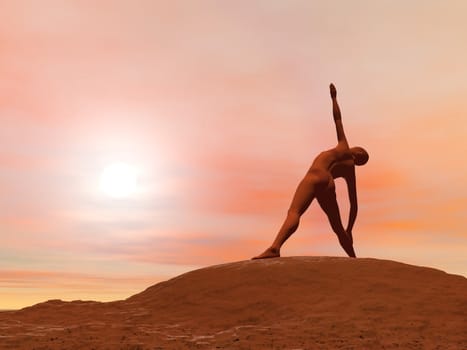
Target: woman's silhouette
{"points": [[318, 182]]}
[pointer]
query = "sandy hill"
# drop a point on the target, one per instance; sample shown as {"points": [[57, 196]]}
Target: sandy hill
{"points": [[282, 303]]}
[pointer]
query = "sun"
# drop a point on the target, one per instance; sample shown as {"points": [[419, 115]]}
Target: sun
{"points": [[118, 180]]}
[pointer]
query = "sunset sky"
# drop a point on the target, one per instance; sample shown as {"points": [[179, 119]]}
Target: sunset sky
{"points": [[220, 107]]}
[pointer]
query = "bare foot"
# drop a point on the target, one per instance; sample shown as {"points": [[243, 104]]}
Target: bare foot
{"points": [[268, 253]]}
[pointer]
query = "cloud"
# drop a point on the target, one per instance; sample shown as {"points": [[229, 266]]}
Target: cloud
{"points": [[225, 114]]}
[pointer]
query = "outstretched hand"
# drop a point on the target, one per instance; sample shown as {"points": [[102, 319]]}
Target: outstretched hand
{"points": [[333, 90]]}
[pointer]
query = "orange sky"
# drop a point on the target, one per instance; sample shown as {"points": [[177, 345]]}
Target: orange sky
{"points": [[222, 105]]}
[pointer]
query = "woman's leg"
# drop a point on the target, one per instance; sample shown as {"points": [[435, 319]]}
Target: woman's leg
{"points": [[327, 201], [302, 199]]}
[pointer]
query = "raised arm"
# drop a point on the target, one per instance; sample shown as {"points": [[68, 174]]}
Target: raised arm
{"points": [[337, 118]]}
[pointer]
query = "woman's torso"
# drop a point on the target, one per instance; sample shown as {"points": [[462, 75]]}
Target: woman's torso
{"points": [[331, 164]]}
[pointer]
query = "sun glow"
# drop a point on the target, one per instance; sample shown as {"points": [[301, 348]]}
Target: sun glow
{"points": [[118, 180]]}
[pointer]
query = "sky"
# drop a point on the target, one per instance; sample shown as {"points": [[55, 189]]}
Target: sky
{"points": [[220, 107]]}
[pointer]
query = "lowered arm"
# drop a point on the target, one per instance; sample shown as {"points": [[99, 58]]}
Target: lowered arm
{"points": [[352, 189]]}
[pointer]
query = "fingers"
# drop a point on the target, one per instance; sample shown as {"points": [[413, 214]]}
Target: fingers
{"points": [[333, 90]]}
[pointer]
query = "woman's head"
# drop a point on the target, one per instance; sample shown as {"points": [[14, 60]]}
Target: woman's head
{"points": [[360, 156]]}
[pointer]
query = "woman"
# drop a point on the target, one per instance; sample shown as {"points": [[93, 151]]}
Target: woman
{"points": [[318, 182]]}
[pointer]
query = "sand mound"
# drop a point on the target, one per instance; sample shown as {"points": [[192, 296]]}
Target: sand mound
{"points": [[283, 303]]}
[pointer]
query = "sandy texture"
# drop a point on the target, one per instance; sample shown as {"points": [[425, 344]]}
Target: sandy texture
{"points": [[281, 303]]}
